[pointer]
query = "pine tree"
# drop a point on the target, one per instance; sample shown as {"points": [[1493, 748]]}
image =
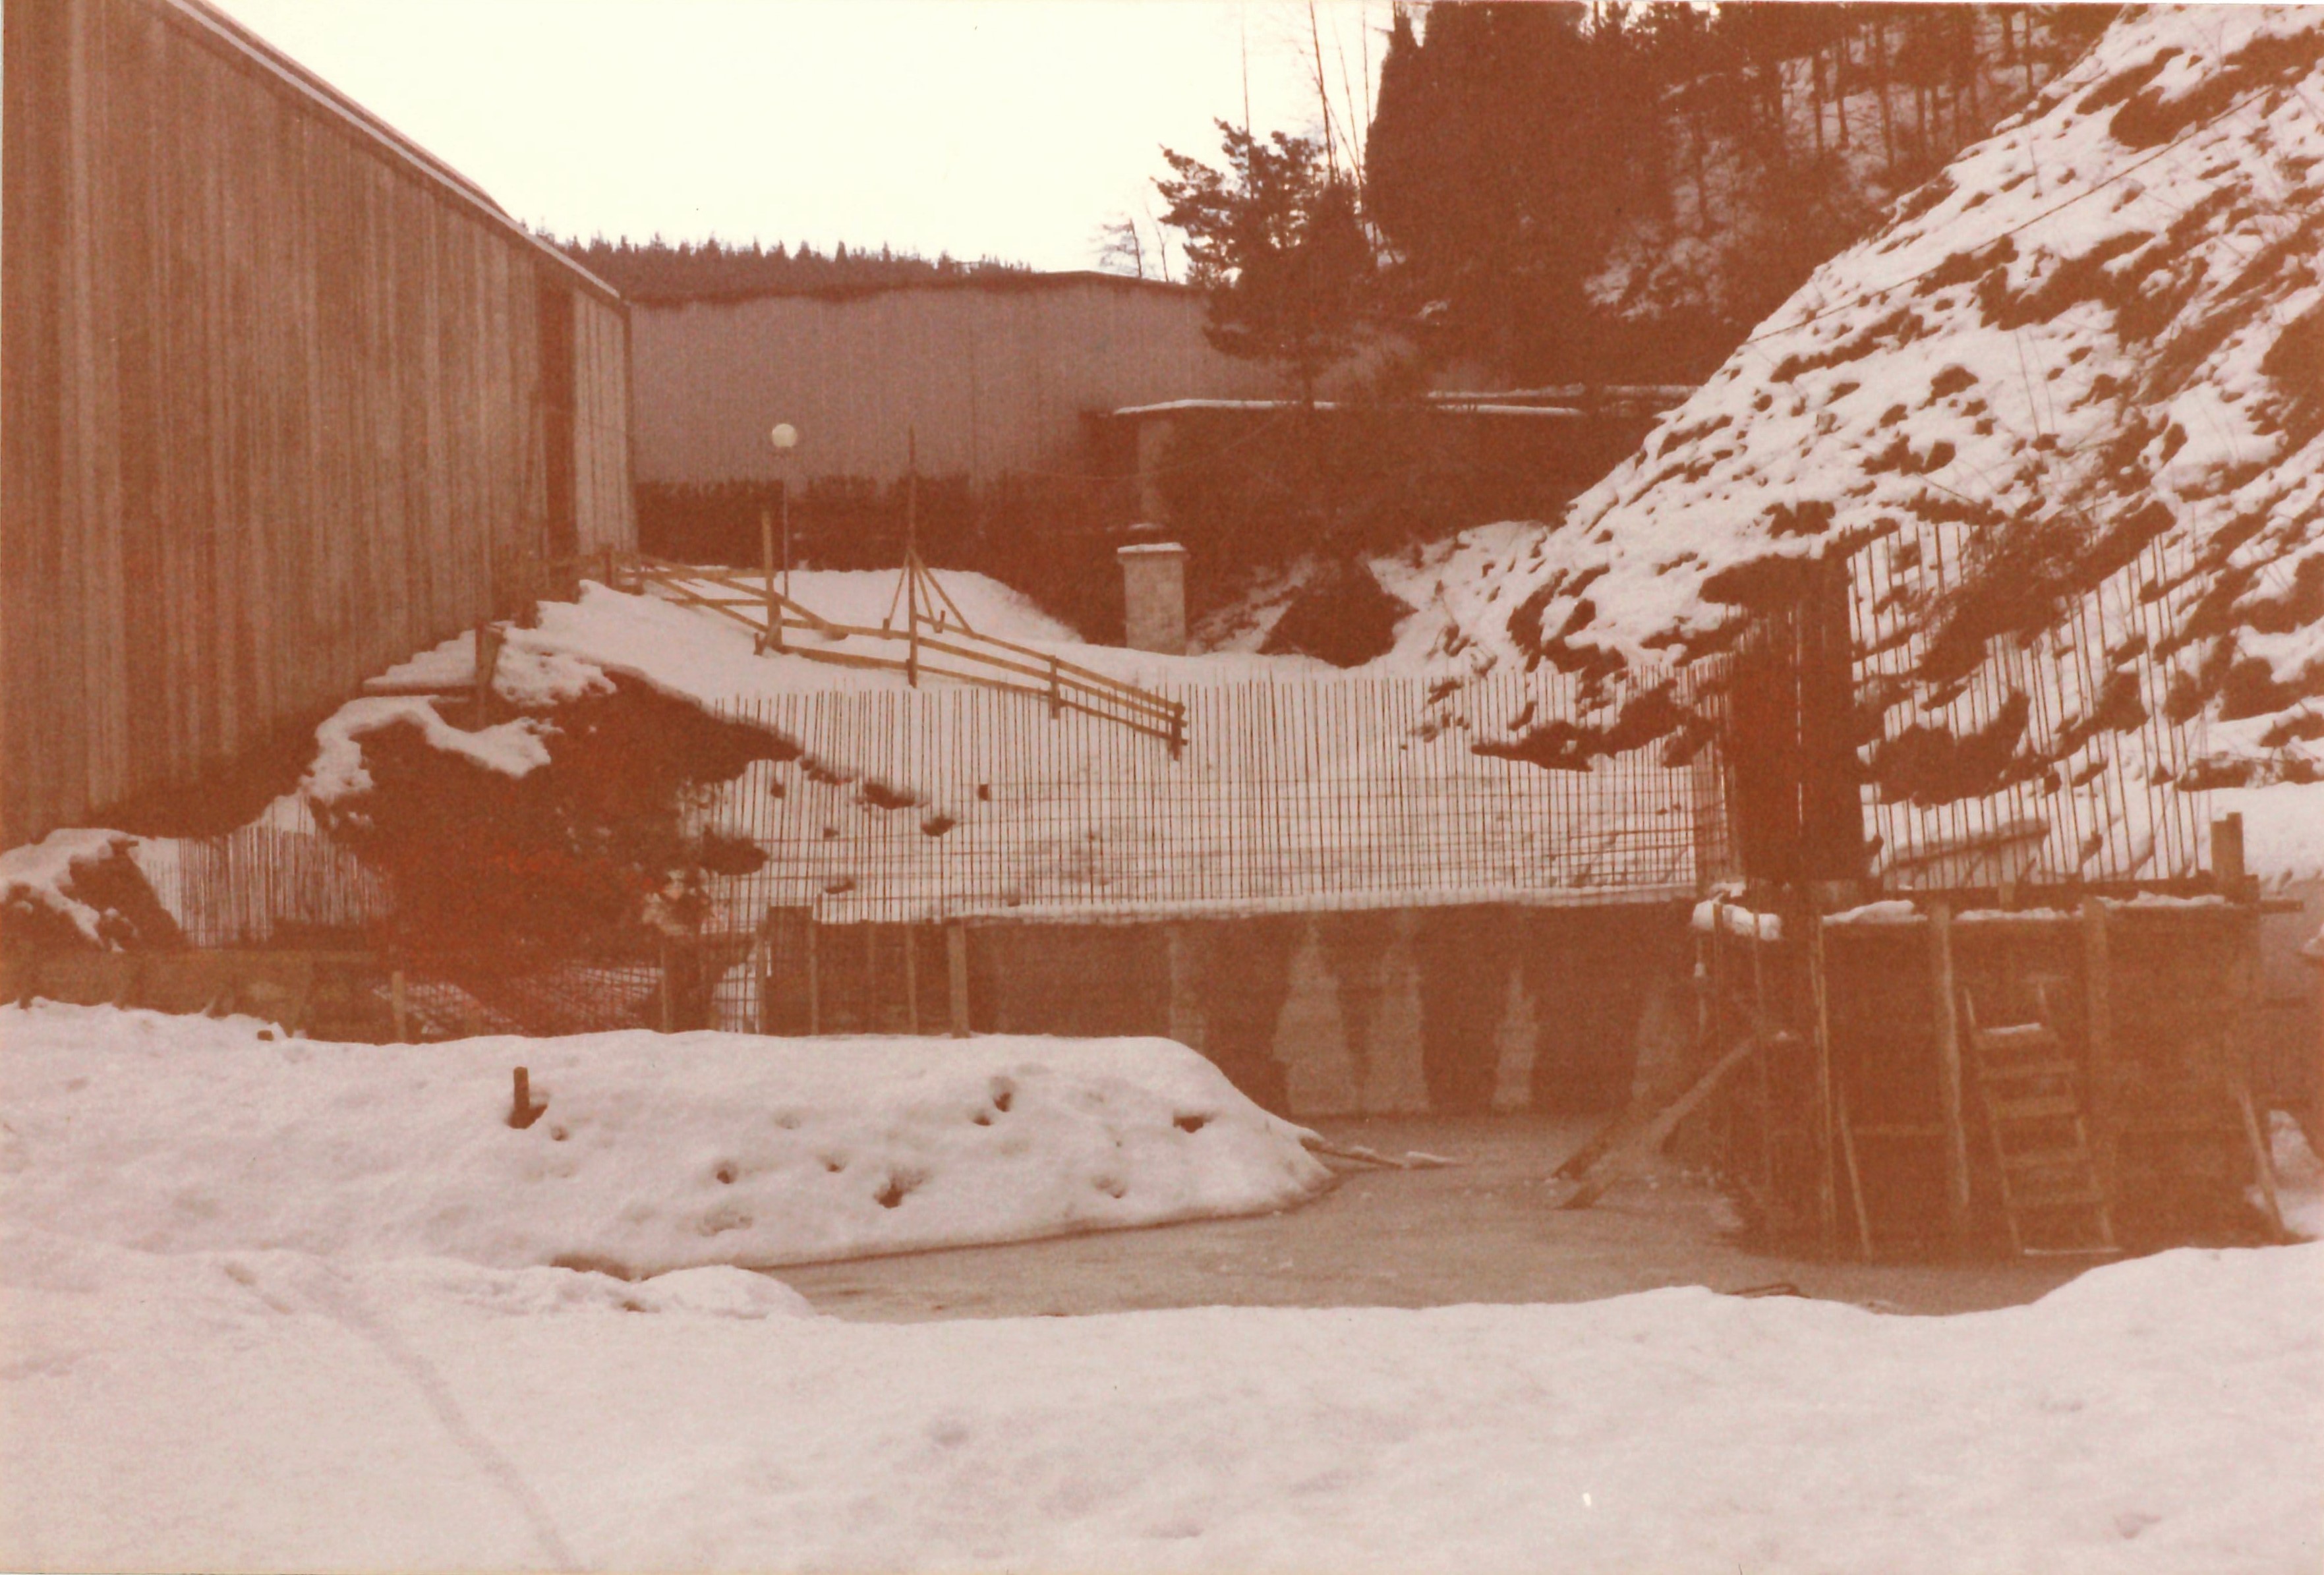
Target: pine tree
{"points": [[1276, 240]]}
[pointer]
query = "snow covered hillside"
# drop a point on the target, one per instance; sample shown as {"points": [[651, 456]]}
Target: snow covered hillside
{"points": [[2081, 375], [652, 1152]]}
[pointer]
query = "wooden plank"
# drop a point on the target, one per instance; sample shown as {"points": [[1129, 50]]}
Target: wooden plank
{"points": [[1654, 1133], [1820, 999], [1943, 1006], [956, 960], [2101, 1073], [2263, 1160], [768, 940], [814, 977], [912, 979], [1854, 1181]]}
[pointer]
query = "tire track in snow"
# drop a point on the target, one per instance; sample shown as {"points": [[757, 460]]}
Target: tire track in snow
{"points": [[342, 1302]]}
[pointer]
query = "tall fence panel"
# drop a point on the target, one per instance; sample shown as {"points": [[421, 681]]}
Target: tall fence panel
{"points": [[1344, 793], [2050, 758]]}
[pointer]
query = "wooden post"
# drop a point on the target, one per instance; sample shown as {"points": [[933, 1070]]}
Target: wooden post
{"points": [[1827, 1175], [767, 971], [399, 1003], [2227, 853], [956, 957], [488, 661], [814, 979], [773, 637], [2097, 1013], [912, 556], [1945, 1015], [302, 1007], [912, 979], [668, 1006]]}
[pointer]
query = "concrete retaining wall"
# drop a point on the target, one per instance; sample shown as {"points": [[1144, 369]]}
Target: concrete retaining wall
{"points": [[1450, 1010]]}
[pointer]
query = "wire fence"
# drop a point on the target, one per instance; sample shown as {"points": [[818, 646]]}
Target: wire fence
{"points": [[265, 882], [905, 806]]}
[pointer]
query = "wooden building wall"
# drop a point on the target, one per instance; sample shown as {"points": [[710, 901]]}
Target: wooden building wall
{"points": [[276, 396], [995, 375]]}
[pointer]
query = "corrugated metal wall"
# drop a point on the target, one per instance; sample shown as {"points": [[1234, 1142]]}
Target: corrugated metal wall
{"points": [[995, 375], [273, 396]]}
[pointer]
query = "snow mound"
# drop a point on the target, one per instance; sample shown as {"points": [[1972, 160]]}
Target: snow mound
{"points": [[2092, 348], [653, 1153]]}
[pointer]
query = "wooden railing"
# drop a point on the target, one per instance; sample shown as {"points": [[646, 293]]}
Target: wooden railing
{"points": [[935, 637]]}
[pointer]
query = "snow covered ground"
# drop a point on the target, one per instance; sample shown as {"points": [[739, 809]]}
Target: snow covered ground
{"points": [[253, 1409], [274, 1305]]}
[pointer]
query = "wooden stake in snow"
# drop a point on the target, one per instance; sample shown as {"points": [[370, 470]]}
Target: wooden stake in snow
{"points": [[488, 661], [522, 1111]]}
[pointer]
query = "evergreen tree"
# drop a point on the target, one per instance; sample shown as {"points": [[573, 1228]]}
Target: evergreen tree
{"points": [[1276, 242]]}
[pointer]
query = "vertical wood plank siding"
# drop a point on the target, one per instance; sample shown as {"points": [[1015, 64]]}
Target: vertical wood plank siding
{"points": [[271, 404], [995, 375], [601, 424]]}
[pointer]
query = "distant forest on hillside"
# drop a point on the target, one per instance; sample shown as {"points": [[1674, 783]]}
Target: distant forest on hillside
{"points": [[659, 271], [1620, 192]]}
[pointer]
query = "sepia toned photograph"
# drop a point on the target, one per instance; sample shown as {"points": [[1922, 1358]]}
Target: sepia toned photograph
{"points": [[1202, 785]]}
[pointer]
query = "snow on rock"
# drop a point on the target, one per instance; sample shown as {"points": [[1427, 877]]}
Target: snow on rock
{"points": [[255, 1409], [2090, 348], [512, 748], [41, 874], [653, 1153]]}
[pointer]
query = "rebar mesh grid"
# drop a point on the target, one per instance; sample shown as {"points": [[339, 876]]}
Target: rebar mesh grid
{"points": [[1344, 793], [2092, 788]]}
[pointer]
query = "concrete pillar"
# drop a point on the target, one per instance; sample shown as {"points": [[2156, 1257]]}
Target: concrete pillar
{"points": [[1154, 597]]}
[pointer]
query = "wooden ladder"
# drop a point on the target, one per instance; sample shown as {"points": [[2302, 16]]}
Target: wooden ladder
{"points": [[2050, 1187]]}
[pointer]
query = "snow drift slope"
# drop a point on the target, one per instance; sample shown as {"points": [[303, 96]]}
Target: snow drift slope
{"points": [[270, 1410], [2094, 344], [655, 1152]]}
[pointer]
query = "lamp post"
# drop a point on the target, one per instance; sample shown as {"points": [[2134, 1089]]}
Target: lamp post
{"points": [[785, 438]]}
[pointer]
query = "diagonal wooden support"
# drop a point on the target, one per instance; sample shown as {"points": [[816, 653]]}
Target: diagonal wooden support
{"points": [[1627, 1156]]}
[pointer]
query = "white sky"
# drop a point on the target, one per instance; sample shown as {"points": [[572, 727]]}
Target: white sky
{"points": [[1011, 128]]}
